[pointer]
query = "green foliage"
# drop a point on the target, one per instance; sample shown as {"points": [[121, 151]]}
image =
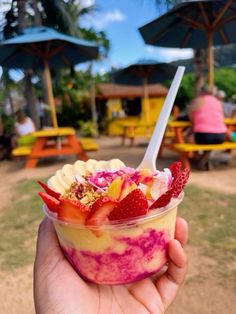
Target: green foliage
{"points": [[86, 128], [186, 90], [71, 114], [225, 79], [8, 123]]}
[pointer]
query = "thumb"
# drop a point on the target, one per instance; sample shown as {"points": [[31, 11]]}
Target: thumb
{"points": [[48, 249]]}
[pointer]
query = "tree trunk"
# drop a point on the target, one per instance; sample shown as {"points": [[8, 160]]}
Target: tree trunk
{"points": [[29, 89], [199, 68], [37, 23], [31, 97], [21, 15], [93, 101], [37, 16], [8, 93]]}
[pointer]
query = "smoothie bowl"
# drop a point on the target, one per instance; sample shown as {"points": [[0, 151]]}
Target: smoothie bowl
{"points": [[114, 222]]}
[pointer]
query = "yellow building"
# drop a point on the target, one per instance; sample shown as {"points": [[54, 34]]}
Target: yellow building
{"points": [[125, 104]]}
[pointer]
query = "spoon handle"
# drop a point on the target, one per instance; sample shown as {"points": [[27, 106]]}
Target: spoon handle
{"points": [[149, 159]]}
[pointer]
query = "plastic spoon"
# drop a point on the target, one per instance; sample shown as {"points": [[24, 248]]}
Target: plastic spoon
{"points": [[149, 159]]}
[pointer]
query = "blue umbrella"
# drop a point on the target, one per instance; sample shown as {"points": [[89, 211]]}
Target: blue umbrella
{"points": [[44, 48], [144, 72], [194, 24]]}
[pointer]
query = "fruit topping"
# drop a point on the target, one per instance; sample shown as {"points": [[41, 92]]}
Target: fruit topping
{"points": [[48, 190], [133, 205], [163, 200], [52, 203], [100, 211], [73, 210]]}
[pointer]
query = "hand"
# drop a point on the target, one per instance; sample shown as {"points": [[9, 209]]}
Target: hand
{"points": [[59, 289]]}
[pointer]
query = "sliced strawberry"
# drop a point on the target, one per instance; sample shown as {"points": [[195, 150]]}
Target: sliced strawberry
{"points": [[163, 200], [52, 203], [48, 190], [175, 168], [72, 210], [100, 211], [180, 181], [180, 178], [133, 205]]}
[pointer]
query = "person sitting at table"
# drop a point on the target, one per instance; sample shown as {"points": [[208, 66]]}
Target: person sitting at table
{"points": [[24, 125], [207, 117]]}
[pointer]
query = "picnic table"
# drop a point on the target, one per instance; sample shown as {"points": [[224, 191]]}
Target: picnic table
{"points": [[131, 131], [187, 150], [51, 142]]}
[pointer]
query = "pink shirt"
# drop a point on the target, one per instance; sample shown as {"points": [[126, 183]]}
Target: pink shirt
{"points": [[207, 115]]}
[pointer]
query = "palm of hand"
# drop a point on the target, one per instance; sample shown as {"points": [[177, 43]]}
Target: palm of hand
{"points": [[59, 289]]}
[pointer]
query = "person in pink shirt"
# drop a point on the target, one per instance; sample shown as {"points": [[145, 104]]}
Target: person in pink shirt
{"points": [[207, 117]]}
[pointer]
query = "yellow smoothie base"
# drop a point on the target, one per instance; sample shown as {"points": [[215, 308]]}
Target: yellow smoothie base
{"points": [[118, 253]]}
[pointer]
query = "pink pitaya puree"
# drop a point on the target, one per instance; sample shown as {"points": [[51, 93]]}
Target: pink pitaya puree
{"points": [[111, 267]]}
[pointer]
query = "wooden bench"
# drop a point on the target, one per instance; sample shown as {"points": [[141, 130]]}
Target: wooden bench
{"points": [[187, 150], [88, 144]]}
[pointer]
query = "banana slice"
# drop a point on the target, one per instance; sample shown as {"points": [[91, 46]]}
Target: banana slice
{"points": [[91, 165], [102, 165], [67, 174], [61, 180], [79, 167], [55, 185], [115, 164]]}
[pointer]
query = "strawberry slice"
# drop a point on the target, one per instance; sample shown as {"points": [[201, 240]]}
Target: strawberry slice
{"points": [[163, 200], [133, 205], [72, 210], [100, 211], [52, 203], [175, 168], [179, 182], [48, 190], [180, 178]]}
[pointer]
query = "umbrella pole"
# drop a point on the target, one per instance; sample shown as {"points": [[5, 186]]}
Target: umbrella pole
{"points": [[49, 91], [210, 61], [146, 100]]}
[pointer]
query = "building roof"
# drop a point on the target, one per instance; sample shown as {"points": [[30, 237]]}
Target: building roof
{"points": [[109, 90]]}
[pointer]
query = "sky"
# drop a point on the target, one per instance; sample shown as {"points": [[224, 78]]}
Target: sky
{"points": [[120, 20]]}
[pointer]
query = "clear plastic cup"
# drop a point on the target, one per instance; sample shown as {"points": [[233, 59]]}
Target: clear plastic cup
{"points": [[121, 252]]}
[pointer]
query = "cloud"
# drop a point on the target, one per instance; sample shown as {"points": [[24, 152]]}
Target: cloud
{"points": [[169, 54], [100, 21]]}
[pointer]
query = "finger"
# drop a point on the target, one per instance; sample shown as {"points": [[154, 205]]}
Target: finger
{"points": [[181, 230], [48, 248], [146, 293], [178, 262], [169, 283]]}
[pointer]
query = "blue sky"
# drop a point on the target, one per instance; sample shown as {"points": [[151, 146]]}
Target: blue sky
{"points": [[120, 19]]}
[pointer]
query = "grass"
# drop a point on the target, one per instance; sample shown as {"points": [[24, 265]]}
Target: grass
{"points": [[212, 226], [18, 226], [211, 217]]}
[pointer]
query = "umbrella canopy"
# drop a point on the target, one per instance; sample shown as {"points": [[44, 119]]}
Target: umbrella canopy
{"points": [[144, 72], [194, 24], [44, 48]]}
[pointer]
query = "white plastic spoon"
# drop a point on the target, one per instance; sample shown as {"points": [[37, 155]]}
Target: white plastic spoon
{"points": [[149, 159]]}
